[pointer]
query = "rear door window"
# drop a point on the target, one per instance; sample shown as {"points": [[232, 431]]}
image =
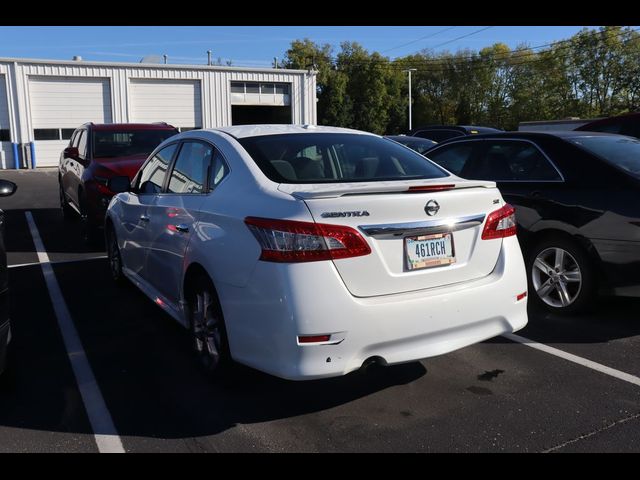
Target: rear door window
{"points": [[513, 160], [454, 157]]}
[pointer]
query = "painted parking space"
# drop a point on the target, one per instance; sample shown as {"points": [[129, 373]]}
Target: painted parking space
{"points": [[491, 397]]}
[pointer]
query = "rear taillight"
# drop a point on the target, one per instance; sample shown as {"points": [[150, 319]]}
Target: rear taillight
{"points": [[292, 241], [500, 224]]}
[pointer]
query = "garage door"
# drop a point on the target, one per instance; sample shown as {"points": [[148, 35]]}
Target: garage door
{"points": [[6, 155], [61, 104], [177, 102]]}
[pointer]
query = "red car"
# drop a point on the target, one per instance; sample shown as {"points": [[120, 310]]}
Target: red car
{"points": [[95, 154]]}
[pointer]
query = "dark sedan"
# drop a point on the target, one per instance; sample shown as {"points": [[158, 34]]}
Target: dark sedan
{"points": [[576, 199], [440, 133], [6, 188], [420, 145]]}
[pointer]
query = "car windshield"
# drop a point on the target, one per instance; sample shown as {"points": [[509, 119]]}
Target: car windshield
{"points": [[124, 143], [623, 152], [336, 158]]}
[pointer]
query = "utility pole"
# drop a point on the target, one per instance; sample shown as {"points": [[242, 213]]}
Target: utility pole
{"points": [[410, 70]]}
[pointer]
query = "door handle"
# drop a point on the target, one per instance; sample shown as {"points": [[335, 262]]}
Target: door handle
{"points": [[182, 228], [144, 218]]}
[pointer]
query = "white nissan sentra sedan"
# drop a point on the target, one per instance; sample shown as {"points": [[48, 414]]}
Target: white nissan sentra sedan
{"points": [[306, 252]]}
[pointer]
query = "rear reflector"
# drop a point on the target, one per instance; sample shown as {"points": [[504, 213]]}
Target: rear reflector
{"points": [[314, 338], [293, 241], [521, 296], [431, 188], [500, 224]]}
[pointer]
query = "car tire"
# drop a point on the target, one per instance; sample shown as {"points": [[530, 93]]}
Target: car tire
{"points": [[114, 257], [561, 276], [208, 332], [68, 214]]}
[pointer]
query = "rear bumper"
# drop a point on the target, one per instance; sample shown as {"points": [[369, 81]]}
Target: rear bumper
{"points": [[282, 302]]}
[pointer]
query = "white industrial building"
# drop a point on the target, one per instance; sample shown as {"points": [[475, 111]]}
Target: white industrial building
{"points": [[43, 101]]}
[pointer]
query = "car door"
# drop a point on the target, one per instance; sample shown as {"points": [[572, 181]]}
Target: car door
{"points": [[525, 175], [136, 206], [65, 170], [173, 215], [72, 169], [456, 156]]}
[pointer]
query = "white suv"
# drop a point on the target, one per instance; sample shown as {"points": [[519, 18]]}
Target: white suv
{"points": [[307, 251]]}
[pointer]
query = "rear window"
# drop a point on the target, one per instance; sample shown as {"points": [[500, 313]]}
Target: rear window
{"points": [[336, 158], [622, 152], [123, 143]]}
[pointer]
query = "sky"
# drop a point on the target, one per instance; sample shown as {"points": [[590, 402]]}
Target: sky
{"points": [[255, 46]]}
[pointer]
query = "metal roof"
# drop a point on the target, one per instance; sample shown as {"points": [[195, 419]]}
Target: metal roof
{"points": [[174, 66]]}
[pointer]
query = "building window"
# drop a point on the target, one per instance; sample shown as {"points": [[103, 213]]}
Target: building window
{"points": [[253, 87], [266, 88], [46, 134], [53, 133], [282, 88], [237, 87], [67, 132], [5, 135]]}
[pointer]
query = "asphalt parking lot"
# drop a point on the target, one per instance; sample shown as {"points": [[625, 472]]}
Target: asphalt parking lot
{"points": [[498, 396]]}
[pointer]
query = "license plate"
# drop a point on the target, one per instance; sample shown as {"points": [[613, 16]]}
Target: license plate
{"points": [[429, 251]]}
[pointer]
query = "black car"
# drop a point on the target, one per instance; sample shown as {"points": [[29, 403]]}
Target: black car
{"points": [[6, 188], [628, 124], [439, 133], [576, 200], [420, 145]]}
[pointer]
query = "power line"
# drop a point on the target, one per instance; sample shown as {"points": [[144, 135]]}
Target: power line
{"points": [[461, 37], [445, 64], [417, 40]]}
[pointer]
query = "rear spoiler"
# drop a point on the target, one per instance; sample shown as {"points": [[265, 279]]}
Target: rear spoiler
{"points": [[334, 190]]}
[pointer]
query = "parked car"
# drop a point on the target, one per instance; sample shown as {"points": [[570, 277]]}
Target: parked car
{"points": [[628, 124], [439, 133], [6, 188], [576, 200], [97, 152], [307, 252], [420, 145]]}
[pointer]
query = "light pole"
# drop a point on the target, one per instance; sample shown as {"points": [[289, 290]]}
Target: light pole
{"points": [[410, 70]]}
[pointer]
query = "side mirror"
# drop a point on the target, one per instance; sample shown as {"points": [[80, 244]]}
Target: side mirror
{"points": [[119, 184], [7, 188], [71, 152]]}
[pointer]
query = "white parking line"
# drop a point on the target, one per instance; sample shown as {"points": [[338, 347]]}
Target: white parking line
{"points": [[105, 433], [574, 358], [99, 257]]}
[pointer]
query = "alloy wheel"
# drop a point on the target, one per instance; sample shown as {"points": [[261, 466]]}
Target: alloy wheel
{"points": [[556, 276], [207, 335]]}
